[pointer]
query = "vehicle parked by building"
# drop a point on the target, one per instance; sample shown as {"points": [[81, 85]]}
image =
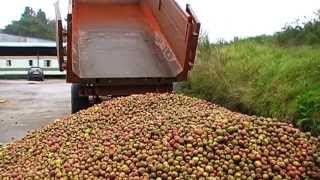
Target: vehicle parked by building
{"points": [[35, 74]]}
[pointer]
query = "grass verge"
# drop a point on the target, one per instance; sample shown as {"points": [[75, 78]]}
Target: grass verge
{"points": [[260, 79]]}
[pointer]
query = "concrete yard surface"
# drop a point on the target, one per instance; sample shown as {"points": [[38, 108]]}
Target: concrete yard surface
{"points": [[26, 106]]}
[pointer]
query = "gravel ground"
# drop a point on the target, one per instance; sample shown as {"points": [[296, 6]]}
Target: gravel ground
{"points": [[26, 106]]}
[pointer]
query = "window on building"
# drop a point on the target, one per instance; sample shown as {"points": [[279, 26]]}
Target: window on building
{"points": [[9, 63], [30, 63], [47, 63]]}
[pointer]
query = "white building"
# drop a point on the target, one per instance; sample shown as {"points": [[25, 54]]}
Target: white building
{"points": [[18, 54], [10, 66]]}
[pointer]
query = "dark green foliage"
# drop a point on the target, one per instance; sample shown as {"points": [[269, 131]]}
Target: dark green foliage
{"points": [[296, 34], [32, 24], [260, 39], [309, 111]]}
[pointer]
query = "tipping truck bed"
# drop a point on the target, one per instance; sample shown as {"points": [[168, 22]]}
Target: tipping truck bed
{"points": [[129, 39], [117, 44]]}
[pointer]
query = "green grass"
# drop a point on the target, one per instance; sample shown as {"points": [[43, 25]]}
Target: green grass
{"points": [[260, 79]]}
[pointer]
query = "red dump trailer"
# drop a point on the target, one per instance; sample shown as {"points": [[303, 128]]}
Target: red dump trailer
{"points": [[123, 47]]}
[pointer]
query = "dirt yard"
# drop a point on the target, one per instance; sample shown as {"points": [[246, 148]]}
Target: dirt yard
{"points": [[26, 106]]}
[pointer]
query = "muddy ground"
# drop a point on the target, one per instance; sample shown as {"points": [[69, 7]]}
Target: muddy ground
{"points": [[26, 106]]}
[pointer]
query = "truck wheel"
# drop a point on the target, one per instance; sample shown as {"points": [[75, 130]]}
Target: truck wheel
{"points": [[78, 102]]}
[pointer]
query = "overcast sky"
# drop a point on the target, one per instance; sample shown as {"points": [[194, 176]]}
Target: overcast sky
{"points": [[220, 18]]}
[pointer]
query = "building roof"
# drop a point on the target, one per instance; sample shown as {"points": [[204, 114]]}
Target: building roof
{"points": [[13, 38], [28, 44], [11, 45]]}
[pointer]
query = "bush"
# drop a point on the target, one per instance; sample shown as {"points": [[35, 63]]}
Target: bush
{"points": [[309, 112]]}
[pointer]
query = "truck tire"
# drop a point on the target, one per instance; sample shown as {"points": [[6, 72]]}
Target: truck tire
{"points": [[78, 102]]}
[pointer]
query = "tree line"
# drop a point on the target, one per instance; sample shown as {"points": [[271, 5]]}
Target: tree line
{"points": [[32, 24], [307, 33], [294, 34]]}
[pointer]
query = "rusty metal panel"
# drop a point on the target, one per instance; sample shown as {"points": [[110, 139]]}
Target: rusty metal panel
{"points": [[110, 1], [59, 38], [127, 81], [71, 76], [194, 34], [124, 90], [174, 25]]}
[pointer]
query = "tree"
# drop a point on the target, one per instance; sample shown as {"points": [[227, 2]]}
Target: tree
{"points": [[318, 14], [28, 12], [41, 15], [32, 24]]}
